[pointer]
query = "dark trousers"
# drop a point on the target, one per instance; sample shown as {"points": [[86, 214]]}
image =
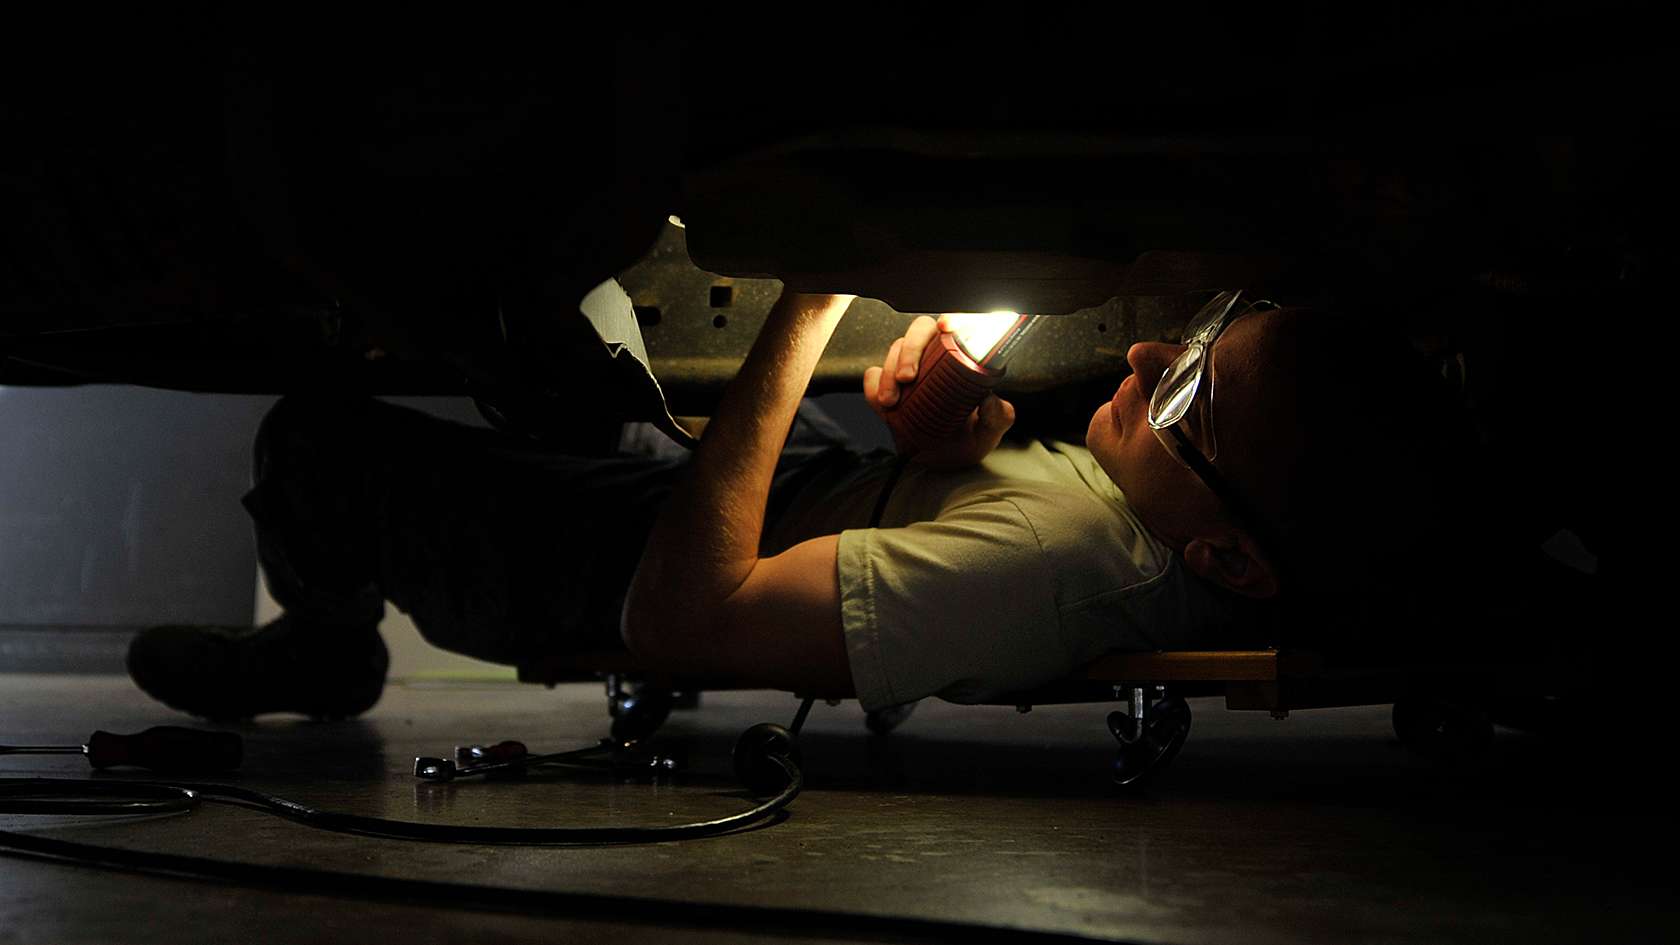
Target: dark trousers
{"points": [[497, 548]]}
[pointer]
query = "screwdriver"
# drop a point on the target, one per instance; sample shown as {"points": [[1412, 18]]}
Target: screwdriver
{"points": [[159, 748]]}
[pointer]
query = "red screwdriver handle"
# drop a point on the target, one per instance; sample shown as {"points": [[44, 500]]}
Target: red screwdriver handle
{"points": [[949, 385], [167, 748]]}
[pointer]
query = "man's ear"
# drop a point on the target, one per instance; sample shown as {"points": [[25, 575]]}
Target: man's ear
{"points": [[1233, 563]]}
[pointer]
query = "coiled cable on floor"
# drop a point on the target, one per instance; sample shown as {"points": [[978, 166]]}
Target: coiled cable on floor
{"points": [[87, 797], [80, 796]]}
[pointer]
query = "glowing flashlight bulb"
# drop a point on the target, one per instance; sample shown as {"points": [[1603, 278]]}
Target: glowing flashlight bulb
{"points": [[979, 332]]}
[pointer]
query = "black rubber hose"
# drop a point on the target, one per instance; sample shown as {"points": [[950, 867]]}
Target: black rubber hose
{"points": [[78, 796], [64, 795]]}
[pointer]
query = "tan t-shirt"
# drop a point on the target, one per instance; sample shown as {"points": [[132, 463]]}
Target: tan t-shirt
{"points": [[996, 578]]}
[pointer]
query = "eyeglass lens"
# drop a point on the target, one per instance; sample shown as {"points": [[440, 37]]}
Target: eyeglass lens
{"points": [[1176, 391]]}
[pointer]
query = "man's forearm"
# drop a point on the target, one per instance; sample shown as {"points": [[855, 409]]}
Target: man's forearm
{"points": [[706, 540]]}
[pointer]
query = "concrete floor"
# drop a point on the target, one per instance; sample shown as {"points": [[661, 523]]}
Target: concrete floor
{"points": [[1319, 828]]}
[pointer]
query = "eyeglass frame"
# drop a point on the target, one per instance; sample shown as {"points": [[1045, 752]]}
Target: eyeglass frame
{"points": [[1200, 345]]}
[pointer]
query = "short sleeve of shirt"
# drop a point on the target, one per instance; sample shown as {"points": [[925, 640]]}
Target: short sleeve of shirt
{"points": [[964, 606]]}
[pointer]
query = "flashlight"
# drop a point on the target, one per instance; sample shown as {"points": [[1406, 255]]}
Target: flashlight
{"points": [[958, 369]]}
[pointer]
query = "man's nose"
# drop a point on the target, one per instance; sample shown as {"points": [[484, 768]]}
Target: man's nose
{"points": [[1149, 360]]}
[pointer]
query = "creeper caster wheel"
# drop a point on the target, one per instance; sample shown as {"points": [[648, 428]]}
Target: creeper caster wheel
{"points": [[755, 757], [1148, 744], [637, 709]]}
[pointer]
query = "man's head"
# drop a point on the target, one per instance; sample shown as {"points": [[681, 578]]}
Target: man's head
{"points": [[1321, 428]]}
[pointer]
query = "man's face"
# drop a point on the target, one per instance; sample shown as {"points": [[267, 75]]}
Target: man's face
{"points": [[1166, 495]]}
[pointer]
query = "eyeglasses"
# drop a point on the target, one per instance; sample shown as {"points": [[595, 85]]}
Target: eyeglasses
{"points": [[1181, 409], [1174, 410]]}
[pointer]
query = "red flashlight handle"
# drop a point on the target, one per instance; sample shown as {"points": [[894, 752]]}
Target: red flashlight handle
{"points": [[948, 386]]}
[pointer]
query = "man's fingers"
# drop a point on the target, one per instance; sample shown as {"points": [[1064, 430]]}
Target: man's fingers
{"points": [[921, 331], [996, 414], [992, 420], [883, 386], [887, 391]]}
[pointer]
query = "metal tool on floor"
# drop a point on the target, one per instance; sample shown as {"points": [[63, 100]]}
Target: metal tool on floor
{"points": [[512, 758], [766, 758], [160, 748]]}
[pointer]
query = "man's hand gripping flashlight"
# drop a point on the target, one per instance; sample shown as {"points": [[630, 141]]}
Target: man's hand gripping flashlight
{"points": [[935, 388]]}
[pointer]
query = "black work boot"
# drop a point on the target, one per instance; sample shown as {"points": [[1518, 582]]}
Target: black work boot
{"points": [[224, 673]]}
